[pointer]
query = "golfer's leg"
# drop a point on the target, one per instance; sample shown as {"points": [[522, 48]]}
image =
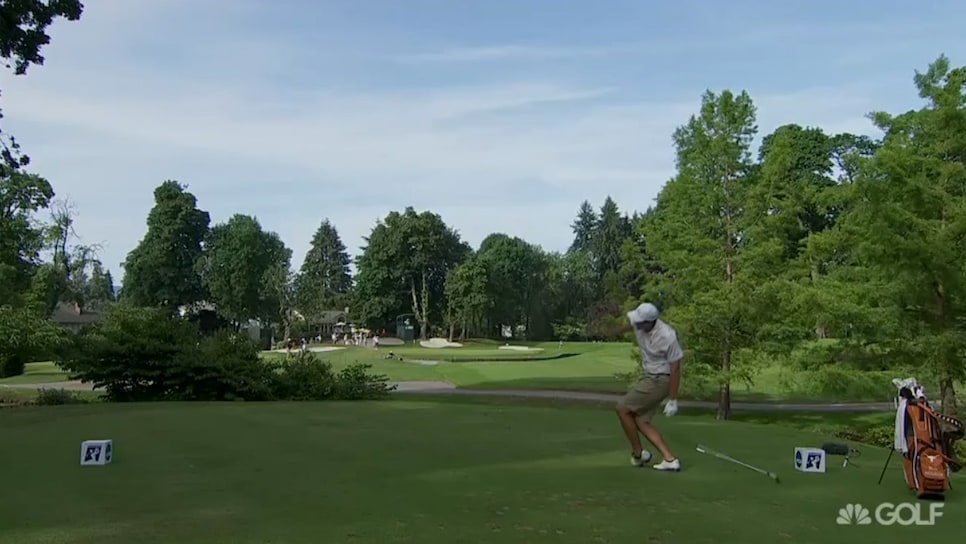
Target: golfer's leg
{"points": [[626, 411], [654, 437], [656, 390]]}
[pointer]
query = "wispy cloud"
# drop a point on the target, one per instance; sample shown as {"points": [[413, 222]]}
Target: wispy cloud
{"points": [[516, 53], [257, 125]]}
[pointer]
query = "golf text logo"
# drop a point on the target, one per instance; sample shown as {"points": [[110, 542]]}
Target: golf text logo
{"points": [[904, 513]]}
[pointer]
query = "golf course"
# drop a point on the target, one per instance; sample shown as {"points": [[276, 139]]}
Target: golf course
{"points": [[571, 366], [422, 470], [435, 468], [457, 272]]}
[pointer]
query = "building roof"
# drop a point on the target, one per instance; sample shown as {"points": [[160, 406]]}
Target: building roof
{"points": [[331, 317]]}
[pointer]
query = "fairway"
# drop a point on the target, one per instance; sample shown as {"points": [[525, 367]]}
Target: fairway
{"points": [[572, 366], [418, 471]]}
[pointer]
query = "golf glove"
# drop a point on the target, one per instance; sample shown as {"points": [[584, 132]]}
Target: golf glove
{"points": [[671, 407]]}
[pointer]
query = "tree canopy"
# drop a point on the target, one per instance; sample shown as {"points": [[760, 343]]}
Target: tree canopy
{"points": [[817, 248]]}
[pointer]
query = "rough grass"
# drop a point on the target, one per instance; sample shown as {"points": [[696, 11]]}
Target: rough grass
{"points": [[419, 471]]}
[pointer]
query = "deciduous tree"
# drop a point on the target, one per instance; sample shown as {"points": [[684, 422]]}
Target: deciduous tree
{"points": [[21, 234], [23, 34], [908, 226], [242, 267], [403, 268], [162, 271]]}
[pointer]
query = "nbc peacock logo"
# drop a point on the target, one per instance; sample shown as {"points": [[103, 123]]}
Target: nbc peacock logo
{"points": [[853, 514]]}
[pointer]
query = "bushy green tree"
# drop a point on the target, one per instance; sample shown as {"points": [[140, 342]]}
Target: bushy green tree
{"points": [[163, 269]]}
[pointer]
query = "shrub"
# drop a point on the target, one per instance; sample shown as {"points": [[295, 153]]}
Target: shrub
{"points": [[142, 354], [12, 364], [874, 435], [304, 377], [355, 383], [55, 397], [228, 367]]}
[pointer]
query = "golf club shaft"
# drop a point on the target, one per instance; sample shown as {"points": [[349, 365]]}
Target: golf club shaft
{"points": [[733, 460]]}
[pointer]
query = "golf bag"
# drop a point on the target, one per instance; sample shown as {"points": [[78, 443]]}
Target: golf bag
{"points": [[926, 439]]}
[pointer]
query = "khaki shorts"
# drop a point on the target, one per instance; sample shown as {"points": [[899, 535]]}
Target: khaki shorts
{"points": [[645, 397]]}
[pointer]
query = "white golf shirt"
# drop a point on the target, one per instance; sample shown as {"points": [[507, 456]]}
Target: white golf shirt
{"points": [[659, 348]]}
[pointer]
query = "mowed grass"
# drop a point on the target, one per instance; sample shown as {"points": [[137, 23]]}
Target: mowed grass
{"points": [[43, 372], [577, 367], [420, 471]]}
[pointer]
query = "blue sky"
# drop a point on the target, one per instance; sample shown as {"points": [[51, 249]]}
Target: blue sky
{"points": [[500, 116]]}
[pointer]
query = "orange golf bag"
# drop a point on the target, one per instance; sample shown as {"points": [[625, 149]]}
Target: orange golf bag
{"points": [[926, 439]]}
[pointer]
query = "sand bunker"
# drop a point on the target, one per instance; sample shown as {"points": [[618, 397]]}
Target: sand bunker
{"points": [[423, 362], [521, 348], [313, 349], [390, 341], [439, 343]]}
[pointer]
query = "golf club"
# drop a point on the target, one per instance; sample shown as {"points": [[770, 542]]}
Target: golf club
{"points": [[705, 449]]}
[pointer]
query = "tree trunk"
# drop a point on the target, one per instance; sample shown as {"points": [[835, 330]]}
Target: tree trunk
{"points": [[820, 331], [947, 390], [724, 394], [452, 330], [424, 322], [419, 309]]}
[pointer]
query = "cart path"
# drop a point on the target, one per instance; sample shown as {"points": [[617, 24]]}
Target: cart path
{"points": [[446, 388]]}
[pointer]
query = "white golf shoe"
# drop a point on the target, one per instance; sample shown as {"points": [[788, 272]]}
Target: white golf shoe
{"points": [[673, 466], [639, 461]]}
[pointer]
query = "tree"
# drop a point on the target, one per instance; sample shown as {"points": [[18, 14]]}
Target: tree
{"points": [[516, 273], [467, 300], [21, 236], [907, 226], [637, 268], [23, 34], [324, 281], [572, 292], [281, 283], [72, 261], [241, 269], [26, 334], [162, 271], [403, 268], [100, 287], [608, 237], [584, 227], [697, 234]]}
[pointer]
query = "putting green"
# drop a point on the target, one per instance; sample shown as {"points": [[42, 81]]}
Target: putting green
{"points": [[419, 471]]}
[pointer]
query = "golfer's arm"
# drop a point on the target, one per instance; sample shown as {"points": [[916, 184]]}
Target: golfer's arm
{"points": [[675, 378]]}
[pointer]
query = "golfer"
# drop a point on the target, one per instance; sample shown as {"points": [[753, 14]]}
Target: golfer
{"points": [[661, 356]]}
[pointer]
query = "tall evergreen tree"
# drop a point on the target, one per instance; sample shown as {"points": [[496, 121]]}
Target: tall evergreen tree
{"points": [[697, 235], [324, 281], [609, 235], [583, 228]]}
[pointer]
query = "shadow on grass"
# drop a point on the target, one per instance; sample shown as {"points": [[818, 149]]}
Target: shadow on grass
{"points": [[596, 384], [614, 385], [498, 358]]}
